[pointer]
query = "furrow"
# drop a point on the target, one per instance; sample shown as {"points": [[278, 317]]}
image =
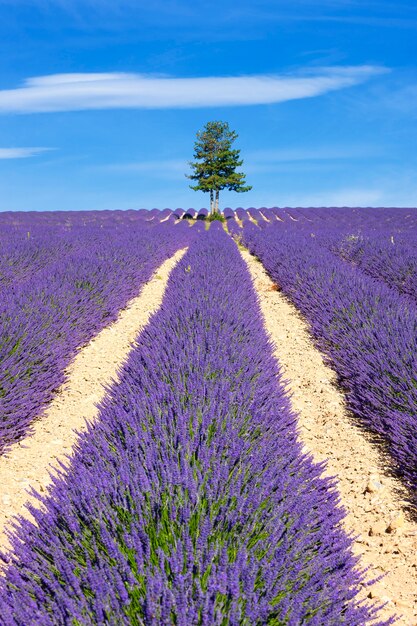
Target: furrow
{"points": [[372, 498], [27, 464]]}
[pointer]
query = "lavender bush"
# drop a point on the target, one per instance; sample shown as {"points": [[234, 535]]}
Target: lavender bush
{"points": [[392, 259], [69, 281], [189, 502], [367, 330]]}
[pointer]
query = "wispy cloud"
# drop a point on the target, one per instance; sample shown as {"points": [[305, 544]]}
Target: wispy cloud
{"points": [[402, 100], [383, 14], [319, 153], [346, 196], [255, 160], [21, 153], [388, 186], [148, 167], [74, 92], [388, 22], [321, 159], [164, 169]]}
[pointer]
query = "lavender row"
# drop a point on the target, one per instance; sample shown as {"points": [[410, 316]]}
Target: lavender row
{"points": [[31, 241], [368, 219], [75, 287], [381, 242], [367, 330], [392, 259], [190, 502]]}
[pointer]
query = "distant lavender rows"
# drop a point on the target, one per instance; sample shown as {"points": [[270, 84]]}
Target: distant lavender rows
{"points": [[190, 501], [381, 242], [367, 328], [389, 258], [62, 279]]}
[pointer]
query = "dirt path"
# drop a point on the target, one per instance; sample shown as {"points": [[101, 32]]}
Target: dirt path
{"points": [[28, 463], [387, 541]]}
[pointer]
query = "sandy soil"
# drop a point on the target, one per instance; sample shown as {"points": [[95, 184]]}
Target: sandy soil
{"points": [[265, 217], [28, 463], [386, 539], [252, 219]]}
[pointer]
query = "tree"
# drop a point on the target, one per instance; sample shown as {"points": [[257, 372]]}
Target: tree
{"points": [[215, 163]]}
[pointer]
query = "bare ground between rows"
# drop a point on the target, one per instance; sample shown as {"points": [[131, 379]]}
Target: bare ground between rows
{"points": [[29, 463], [374, 500]]}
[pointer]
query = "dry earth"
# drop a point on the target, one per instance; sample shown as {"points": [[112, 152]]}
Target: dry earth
{"points": [[386, 539], [28, 463]]}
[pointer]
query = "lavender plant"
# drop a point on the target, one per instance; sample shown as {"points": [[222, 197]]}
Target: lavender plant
{"points": [[367, 330], [58, 288], [386, 257], [190, 501]]}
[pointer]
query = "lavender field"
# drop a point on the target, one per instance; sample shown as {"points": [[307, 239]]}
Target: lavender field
{"points": [[191, 499], [62, 279], [354, 277]]}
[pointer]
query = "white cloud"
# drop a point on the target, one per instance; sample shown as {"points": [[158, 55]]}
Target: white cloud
{"points": [[337, 197], [320, 158], [72, 92], [20, 153], [318, 153], [158, 166]]}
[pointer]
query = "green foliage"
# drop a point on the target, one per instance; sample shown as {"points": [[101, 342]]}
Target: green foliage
{"points": [[216, 161], [216, 216]]}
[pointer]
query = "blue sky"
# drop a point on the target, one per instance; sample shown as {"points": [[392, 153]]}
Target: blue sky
{"points": [[100, 101]]}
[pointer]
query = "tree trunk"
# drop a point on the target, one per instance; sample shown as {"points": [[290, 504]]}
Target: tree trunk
{"points": [[216, 208], [211, 202]]}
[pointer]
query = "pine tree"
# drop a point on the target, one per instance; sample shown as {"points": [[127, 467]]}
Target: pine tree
{"points": [[215, 163]]}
